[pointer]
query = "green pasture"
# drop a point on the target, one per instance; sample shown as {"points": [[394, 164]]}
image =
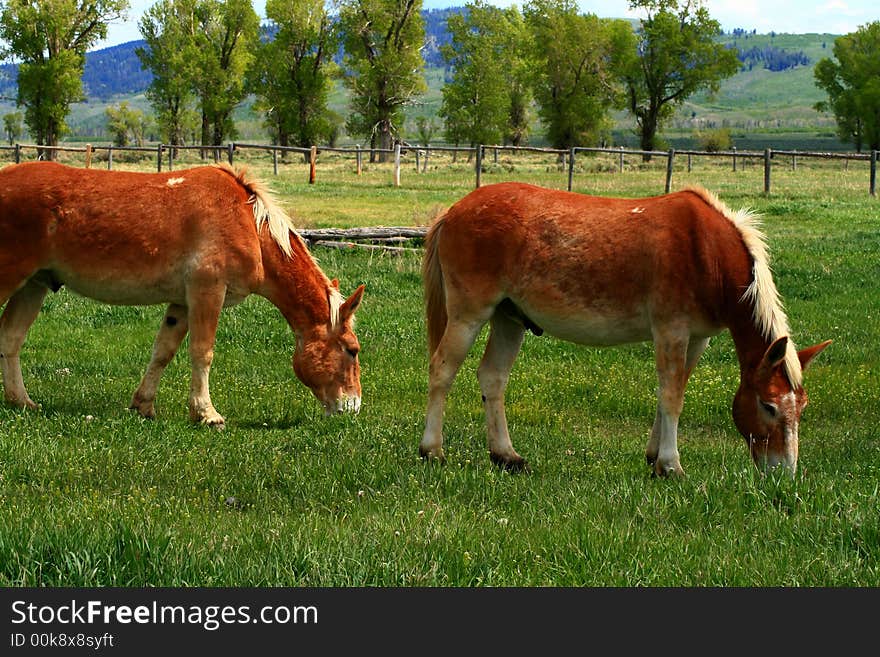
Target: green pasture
{"points": [[92, 495]]}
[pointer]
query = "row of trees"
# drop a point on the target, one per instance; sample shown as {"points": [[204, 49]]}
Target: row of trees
{"points": [[504, 65]]}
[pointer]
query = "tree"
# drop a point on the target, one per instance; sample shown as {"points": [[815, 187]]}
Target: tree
{"points": [[226, 34], [383, 65], [292, 73], [677, 56], [168, 28], [577, 62], [853, 86], [484, 101], [50, 38], [126, 124], [12, 126]]}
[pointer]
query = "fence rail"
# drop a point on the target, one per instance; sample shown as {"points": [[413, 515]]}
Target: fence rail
{"points": [[476, 152]]}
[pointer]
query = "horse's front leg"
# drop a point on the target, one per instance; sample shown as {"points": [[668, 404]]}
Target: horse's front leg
{"points": [[695, 349], [171, 333], [505, 340], [457, 340], [20, 313], [671, 349], [204, 305]]}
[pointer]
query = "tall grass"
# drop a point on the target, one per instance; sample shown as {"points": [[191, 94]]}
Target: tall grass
{"points": [[92, 495]]}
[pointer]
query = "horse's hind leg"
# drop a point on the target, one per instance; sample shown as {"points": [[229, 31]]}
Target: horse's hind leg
{"points": [[505, 340], [171, 333], [676, 359], [457, 340], [21, 311]]}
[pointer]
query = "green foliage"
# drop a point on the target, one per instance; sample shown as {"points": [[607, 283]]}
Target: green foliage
{"points": [[678, 54], [12, 126], [126, 124], [383, 65], [292, 73], [483, 102], [225, 37], [169, 52], [50, 40], [714, 141], [576, 60], [853, 86]]}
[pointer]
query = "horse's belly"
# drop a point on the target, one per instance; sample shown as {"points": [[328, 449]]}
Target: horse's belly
{"points": [[128, 292], [594, 328]]}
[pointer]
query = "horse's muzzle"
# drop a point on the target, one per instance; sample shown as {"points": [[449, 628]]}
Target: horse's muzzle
{"points": [[343, 405]]}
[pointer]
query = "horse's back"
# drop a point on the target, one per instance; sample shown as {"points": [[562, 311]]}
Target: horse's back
{"points": [[594, 269], [121, 236]]}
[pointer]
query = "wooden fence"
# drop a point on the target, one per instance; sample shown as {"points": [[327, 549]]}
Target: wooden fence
{"points": [[165, 152]]}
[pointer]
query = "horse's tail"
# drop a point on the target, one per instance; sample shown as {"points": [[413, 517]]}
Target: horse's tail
{"points": [[435, 292]]}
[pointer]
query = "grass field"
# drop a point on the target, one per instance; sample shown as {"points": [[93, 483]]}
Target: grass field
{"points": [[92, 495]]}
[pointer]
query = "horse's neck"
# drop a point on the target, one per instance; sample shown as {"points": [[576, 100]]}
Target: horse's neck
{"points": [[295, 284], [750, 344]]}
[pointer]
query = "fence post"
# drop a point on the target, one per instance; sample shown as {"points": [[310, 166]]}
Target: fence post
{"points": [[734, 159], [397, 164], [689, 162], [873, 173], [479, 165], [767, 155], [570, 167], [88, 156], [620, 161], [110, 157], [495, 155], [794, 160], [425, 163], [418, 158], [229, 149], [159, 158], [275, 161], [359, 159], [313, 156], [669, 158], [171, 158], [17, 153]]}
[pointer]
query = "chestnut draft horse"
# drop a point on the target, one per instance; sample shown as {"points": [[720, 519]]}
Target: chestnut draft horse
{"points": [[198, 239], [676, 269]]}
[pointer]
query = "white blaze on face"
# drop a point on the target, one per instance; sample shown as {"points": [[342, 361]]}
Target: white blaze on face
{"points": [[788, 412]]}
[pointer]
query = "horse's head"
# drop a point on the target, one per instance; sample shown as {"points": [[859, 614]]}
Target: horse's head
{"points": [[767, 407], [326, 358]]}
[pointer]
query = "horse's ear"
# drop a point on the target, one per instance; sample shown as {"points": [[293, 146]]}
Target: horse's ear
{"points": [[351, 304], [808, 354], [774, 356], [335, 283], [775, 353]]}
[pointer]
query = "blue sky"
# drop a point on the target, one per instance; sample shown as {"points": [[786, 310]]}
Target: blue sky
{"points": [[792, 16]]}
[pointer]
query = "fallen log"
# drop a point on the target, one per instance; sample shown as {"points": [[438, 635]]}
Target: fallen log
{"points": [[393, 250], [364, 233]]}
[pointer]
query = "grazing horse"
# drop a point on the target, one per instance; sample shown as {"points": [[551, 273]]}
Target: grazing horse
{"points": [[197, 239], [675, 269]]}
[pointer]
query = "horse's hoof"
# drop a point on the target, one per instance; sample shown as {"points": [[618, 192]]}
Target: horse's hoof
{"points": [[667, 471], [145, 411], [431, 456], [27, 403], [511, 464]]}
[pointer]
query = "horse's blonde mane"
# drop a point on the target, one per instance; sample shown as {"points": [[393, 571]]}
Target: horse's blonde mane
{"points": [[769, 313], [281, 227]]}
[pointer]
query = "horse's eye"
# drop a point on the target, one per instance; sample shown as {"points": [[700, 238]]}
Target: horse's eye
{"points": [[352, 351], [770, 408]]}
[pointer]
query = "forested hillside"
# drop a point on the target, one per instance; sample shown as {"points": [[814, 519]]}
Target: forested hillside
{"points": [[774, 89]]}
